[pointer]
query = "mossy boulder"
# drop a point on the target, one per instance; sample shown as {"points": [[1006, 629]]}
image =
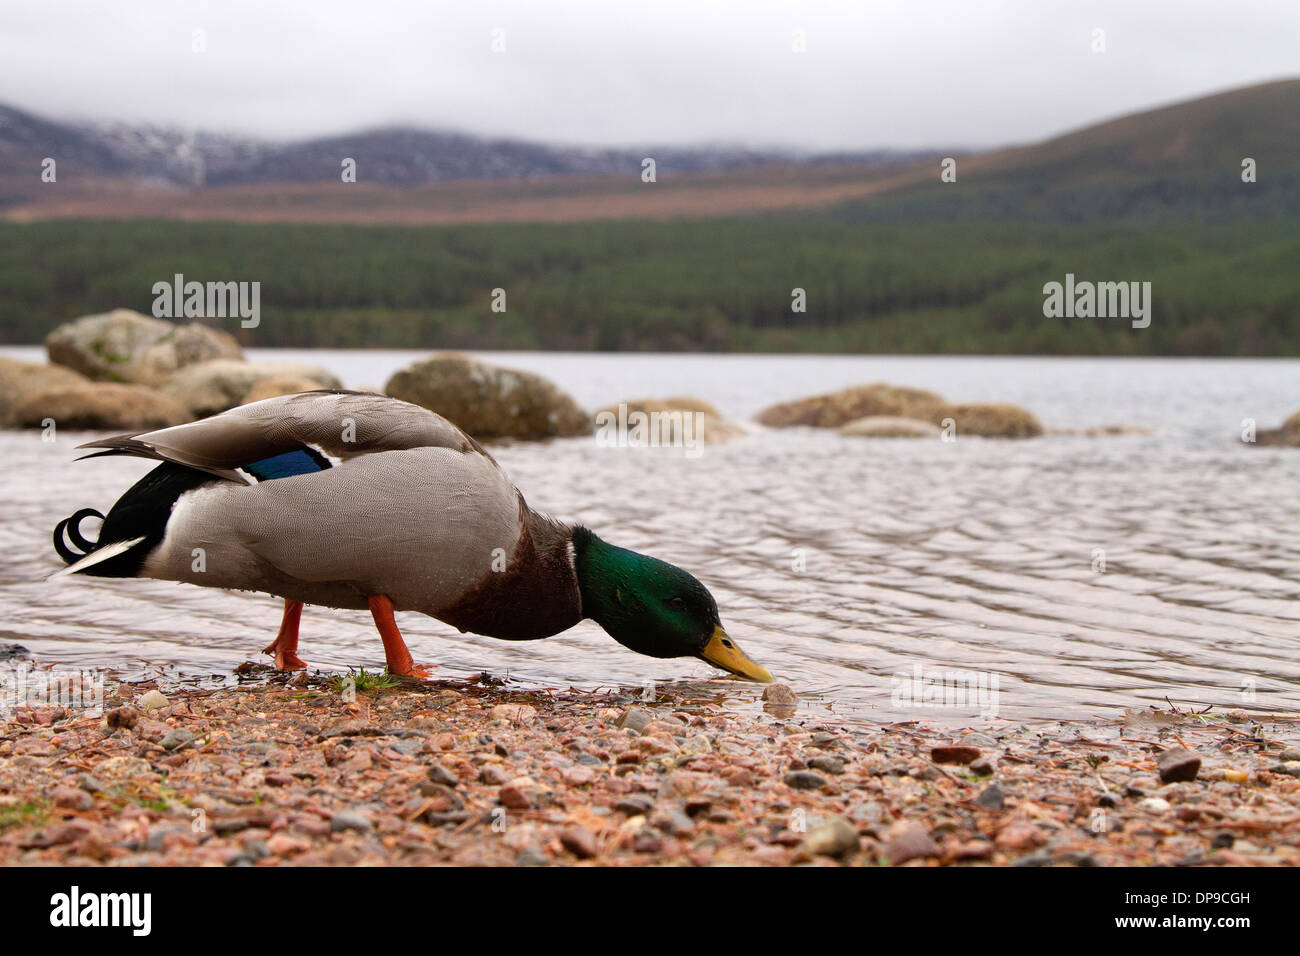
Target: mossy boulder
{"points": [[182, 347], [488, 401], [125, 346]]}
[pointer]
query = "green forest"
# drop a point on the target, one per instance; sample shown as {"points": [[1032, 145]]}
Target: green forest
{"points": [[965, 286]]}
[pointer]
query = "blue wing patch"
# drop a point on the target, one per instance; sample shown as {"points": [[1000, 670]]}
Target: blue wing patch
{"points": [[300, 461]]}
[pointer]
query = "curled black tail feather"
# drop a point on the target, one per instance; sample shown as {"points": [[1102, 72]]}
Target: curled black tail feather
{"points": [[72, 527], [133, 527]]}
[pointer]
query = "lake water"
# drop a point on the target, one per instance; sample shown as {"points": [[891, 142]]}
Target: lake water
{"points": [[839, 563]]}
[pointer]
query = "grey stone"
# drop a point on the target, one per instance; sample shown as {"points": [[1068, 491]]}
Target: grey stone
{"points": [[1033, 859], [440, 774], [827, 764], [350, 820], [178, 738], [635, 805], [634, 719], [804, 780]]}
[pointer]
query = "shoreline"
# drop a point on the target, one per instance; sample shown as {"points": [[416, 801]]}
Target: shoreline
{"points": [[290, 771]]}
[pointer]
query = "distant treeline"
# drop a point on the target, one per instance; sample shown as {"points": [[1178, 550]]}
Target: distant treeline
{"points": [[1050, 195], [964, 287]]}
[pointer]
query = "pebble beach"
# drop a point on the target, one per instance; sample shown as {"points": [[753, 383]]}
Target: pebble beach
{"points": [[305, 770]]}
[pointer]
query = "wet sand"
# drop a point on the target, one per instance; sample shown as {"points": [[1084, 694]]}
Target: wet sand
{"points": [[297, 770]]}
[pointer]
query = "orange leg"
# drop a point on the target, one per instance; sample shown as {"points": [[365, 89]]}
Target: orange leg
{"points": [[396, 654], [285, 645]]}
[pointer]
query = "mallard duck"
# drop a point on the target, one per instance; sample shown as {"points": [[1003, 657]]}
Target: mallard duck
{"points": [[355, 500]]}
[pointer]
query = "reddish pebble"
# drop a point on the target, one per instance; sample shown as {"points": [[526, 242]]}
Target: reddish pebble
{"points": [[954, 753], [513, 798], [909, 840], [1018, 836], [579, 841]]}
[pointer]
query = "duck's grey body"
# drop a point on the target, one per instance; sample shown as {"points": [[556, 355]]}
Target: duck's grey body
{"points": [[400, 502]]}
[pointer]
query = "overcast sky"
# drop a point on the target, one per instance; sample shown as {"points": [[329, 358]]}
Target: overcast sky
{"points": [[902, 73]]}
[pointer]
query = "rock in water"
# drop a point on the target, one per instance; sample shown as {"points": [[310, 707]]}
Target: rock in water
{"points": [[780, 694], [837, 409], [21, 379], [667, 420], [488, 401], [890, 426], [100, 405], [779, 700], [992, 420], [105, 346], [125, 346], [277, 385], [181, 347], [211, 387], [1288, 435], [1178, 765]]}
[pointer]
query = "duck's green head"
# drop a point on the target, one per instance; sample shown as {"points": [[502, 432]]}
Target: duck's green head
{"points": [[653, 607]]}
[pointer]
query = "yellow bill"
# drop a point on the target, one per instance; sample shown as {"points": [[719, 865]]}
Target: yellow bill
{"points": [[722, 651]]}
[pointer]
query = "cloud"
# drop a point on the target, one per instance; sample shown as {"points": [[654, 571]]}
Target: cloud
{"points": [[880, 74]]}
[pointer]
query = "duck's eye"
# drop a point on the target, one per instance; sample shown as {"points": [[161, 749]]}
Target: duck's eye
{"points": [[676, 603]]}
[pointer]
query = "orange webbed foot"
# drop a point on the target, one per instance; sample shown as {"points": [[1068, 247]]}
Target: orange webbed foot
{"points": [[289, 661], [396, 654], [285, 645], [418, 671]]}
